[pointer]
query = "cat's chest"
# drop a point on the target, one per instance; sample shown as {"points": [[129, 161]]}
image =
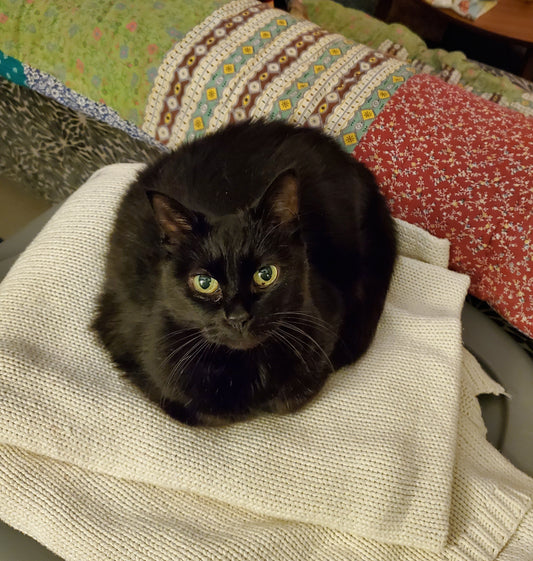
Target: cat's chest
{"points": [[220, 369]]}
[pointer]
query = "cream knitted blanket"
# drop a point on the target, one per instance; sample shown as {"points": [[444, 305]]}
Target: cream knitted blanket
{"points": [[389, 463]]}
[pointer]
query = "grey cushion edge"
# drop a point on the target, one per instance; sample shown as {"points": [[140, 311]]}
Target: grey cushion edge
{"points": [[503, 359]]}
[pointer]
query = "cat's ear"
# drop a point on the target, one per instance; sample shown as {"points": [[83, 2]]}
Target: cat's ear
{"points": [[280, 202], [175, 220]]}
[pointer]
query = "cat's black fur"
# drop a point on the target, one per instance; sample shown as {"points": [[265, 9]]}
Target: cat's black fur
{"points": [[251, 195]]}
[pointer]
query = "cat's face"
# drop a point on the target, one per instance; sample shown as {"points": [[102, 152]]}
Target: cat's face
{"points": [[236, 277]]}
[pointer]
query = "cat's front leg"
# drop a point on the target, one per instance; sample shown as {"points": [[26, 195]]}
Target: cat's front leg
{"points": [[181, 413], [194, 418], [296, 394]]}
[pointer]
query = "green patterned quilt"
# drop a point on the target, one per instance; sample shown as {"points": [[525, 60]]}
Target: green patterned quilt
{"points": [[107, 50]]}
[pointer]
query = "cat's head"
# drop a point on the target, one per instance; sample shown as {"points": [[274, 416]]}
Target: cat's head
{"points": [[232, 277]]}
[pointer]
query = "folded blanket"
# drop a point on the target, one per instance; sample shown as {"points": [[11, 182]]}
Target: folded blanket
{"points": [[390, 462]]}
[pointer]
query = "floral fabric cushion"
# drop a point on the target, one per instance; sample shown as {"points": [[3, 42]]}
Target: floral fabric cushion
{"points": [[462, 168]]}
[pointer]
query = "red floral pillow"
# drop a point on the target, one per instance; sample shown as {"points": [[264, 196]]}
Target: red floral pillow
{"points": [[461, 167]]}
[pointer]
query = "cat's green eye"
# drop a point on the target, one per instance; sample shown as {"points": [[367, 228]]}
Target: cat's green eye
{"points": [[265, 276], [205, 284]]}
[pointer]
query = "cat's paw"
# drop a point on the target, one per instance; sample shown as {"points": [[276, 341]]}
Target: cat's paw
{"points": [[181, 413], [291, 400], [194, 418]]}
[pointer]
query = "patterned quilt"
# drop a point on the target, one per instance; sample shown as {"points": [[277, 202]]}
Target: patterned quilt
{"points": [[106, 51], [249, 61]]}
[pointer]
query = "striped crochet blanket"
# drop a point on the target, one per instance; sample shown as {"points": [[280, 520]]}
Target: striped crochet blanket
{"points": [[247, 60]]}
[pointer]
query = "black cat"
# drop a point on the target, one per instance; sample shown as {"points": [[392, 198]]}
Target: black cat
{"points": [[243, 269]]}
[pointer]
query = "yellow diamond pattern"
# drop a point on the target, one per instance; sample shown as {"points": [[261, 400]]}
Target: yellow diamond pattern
{"points": [[319, 68], [335, 52], [281, 22], [265, 35], [383, 94], [350, 139], [285, 104], [198, 124], [397, 79], [367, 114], [211, 94], [229, 69], [302, 85], [248, 50]]}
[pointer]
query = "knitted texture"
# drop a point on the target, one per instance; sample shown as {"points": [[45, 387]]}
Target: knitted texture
{"points": [[389, 462]]}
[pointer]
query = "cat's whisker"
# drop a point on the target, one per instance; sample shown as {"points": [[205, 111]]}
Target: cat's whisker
{"points": [[198, 353], [265, 237], [309, 319], [309, 322], [199, 348], [186, 358], [308, 315], [162, 401], [175, 333], [313, 341], [179, 368], [190, 340], [285, 340], [179, 345], [313, 321]]}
